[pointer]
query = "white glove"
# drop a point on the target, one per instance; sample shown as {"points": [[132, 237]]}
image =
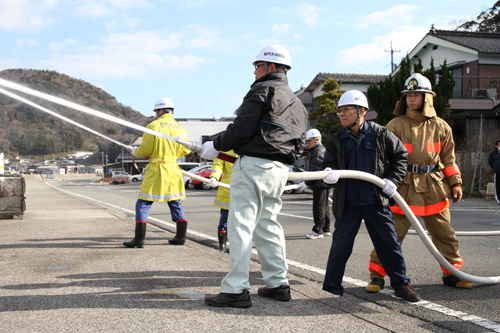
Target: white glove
{"points": [[302, 187], [134, 149], [390, 188], [209, 152], [332, 177], [213, 182], [129, 148]]}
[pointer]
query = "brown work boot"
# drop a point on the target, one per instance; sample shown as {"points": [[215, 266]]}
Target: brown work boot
{"points": [[375, 285], [407, 293], [453, 281]]}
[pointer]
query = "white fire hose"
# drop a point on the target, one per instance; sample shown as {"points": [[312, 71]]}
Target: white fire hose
{"points": [[293, 176], [303, 176]]}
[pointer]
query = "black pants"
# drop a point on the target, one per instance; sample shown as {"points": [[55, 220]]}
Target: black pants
{"points": [[321, 212], [497, 187]]}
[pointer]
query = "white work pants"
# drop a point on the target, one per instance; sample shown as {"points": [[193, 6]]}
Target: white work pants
{"points": [[256, 188]]}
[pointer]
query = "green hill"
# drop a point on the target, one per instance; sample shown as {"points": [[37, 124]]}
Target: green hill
{"points": [[27, 131]]}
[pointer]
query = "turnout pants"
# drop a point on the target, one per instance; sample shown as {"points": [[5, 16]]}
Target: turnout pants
{"points": [[256, 188], [381, 230], [443, 237], [321, 212]]}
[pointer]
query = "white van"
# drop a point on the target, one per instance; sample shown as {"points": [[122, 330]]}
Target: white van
{"points": [[186, 166]]}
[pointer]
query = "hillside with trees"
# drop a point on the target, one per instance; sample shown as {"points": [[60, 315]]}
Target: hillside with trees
{"points": [[27, 131]]}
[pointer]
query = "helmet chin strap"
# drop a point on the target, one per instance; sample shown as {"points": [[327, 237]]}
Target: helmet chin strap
{"points": [[357, 120], [278, 68]]}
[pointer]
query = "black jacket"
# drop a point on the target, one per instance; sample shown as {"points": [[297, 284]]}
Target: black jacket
{"points": [[390, 161], [315, 161], [494, 160], [270, 122]]}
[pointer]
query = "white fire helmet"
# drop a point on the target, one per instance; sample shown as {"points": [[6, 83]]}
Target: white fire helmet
{"points": [[276, 54], [418, 83], [164, 103], [313, 133], [353, 97]]}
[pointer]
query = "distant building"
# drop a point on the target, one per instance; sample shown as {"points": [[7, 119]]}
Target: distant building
{"points": [[346, 82]]}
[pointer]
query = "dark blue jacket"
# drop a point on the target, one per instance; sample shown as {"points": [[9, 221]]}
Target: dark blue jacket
{"points": [[494, 160], [390, 161]]}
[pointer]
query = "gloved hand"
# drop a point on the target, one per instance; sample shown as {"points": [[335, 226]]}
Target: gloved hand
{"points": [[332, 177], [213, 182], [302, 187], [457, 193], [134, 151], [390, 188], [209, 152], [129, 148]]}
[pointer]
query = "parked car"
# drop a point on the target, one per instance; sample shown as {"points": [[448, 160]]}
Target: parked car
{"points": [[186, 166], [201, 185], [121, 177], [200, 168]]}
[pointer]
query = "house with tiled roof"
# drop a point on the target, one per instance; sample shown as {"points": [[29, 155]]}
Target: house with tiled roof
{"points": [[473, 58], [346, 82]]}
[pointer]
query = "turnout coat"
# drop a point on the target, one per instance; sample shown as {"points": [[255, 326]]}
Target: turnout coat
{"points": [[163, 179], [429, 141]]}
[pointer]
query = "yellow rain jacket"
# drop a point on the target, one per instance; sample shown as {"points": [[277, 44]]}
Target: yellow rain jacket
{"points": [[163, 179], [429, 141], [222, 168]]}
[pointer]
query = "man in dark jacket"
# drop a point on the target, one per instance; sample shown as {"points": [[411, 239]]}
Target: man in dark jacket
{"points": [[373, 149], [494, 162], [321, 214], [268, 135]]}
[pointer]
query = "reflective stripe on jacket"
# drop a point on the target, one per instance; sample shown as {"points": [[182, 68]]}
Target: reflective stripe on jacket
{"points": [[163, 178], [429, 141]]}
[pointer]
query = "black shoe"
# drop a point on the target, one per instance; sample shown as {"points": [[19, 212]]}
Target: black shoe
{"points": [[407, 293], [281, 293], [375, 285], [226, 300], [453, 281], [133, 243]]}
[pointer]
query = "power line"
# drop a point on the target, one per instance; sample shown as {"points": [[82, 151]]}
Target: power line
{"points": [[392, 57]]}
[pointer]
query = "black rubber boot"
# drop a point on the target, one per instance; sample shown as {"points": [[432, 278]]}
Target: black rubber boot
{"points": [[140, 234], [180, 237], [222, 242]]}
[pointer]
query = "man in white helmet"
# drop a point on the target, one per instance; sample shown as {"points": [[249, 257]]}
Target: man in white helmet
{"points": [[163, 180], [371, 148], [268, 135], [429, 141], [321, 213]]}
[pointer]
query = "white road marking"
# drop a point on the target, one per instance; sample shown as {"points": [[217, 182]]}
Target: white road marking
{"points": [[494, 326]]}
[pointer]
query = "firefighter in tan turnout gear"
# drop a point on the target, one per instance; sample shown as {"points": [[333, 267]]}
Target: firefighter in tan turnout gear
{"points": [[431, 154]]}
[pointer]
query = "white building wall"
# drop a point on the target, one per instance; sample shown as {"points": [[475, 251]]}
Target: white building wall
{"points": [[196, 129], [452, 56]]}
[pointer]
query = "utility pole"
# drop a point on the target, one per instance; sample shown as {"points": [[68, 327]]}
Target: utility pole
{"points": [[392, 57]]}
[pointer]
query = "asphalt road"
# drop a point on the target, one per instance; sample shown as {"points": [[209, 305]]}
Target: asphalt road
{"points": [[307, 258]]}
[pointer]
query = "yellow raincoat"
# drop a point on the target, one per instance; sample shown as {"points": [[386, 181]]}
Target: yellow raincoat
{"points": [[429, 141], [163, 179], [221, 167]]}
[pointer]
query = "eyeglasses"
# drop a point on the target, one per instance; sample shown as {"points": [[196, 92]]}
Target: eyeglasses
{"points": [[344, 110], [258, 65]]}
